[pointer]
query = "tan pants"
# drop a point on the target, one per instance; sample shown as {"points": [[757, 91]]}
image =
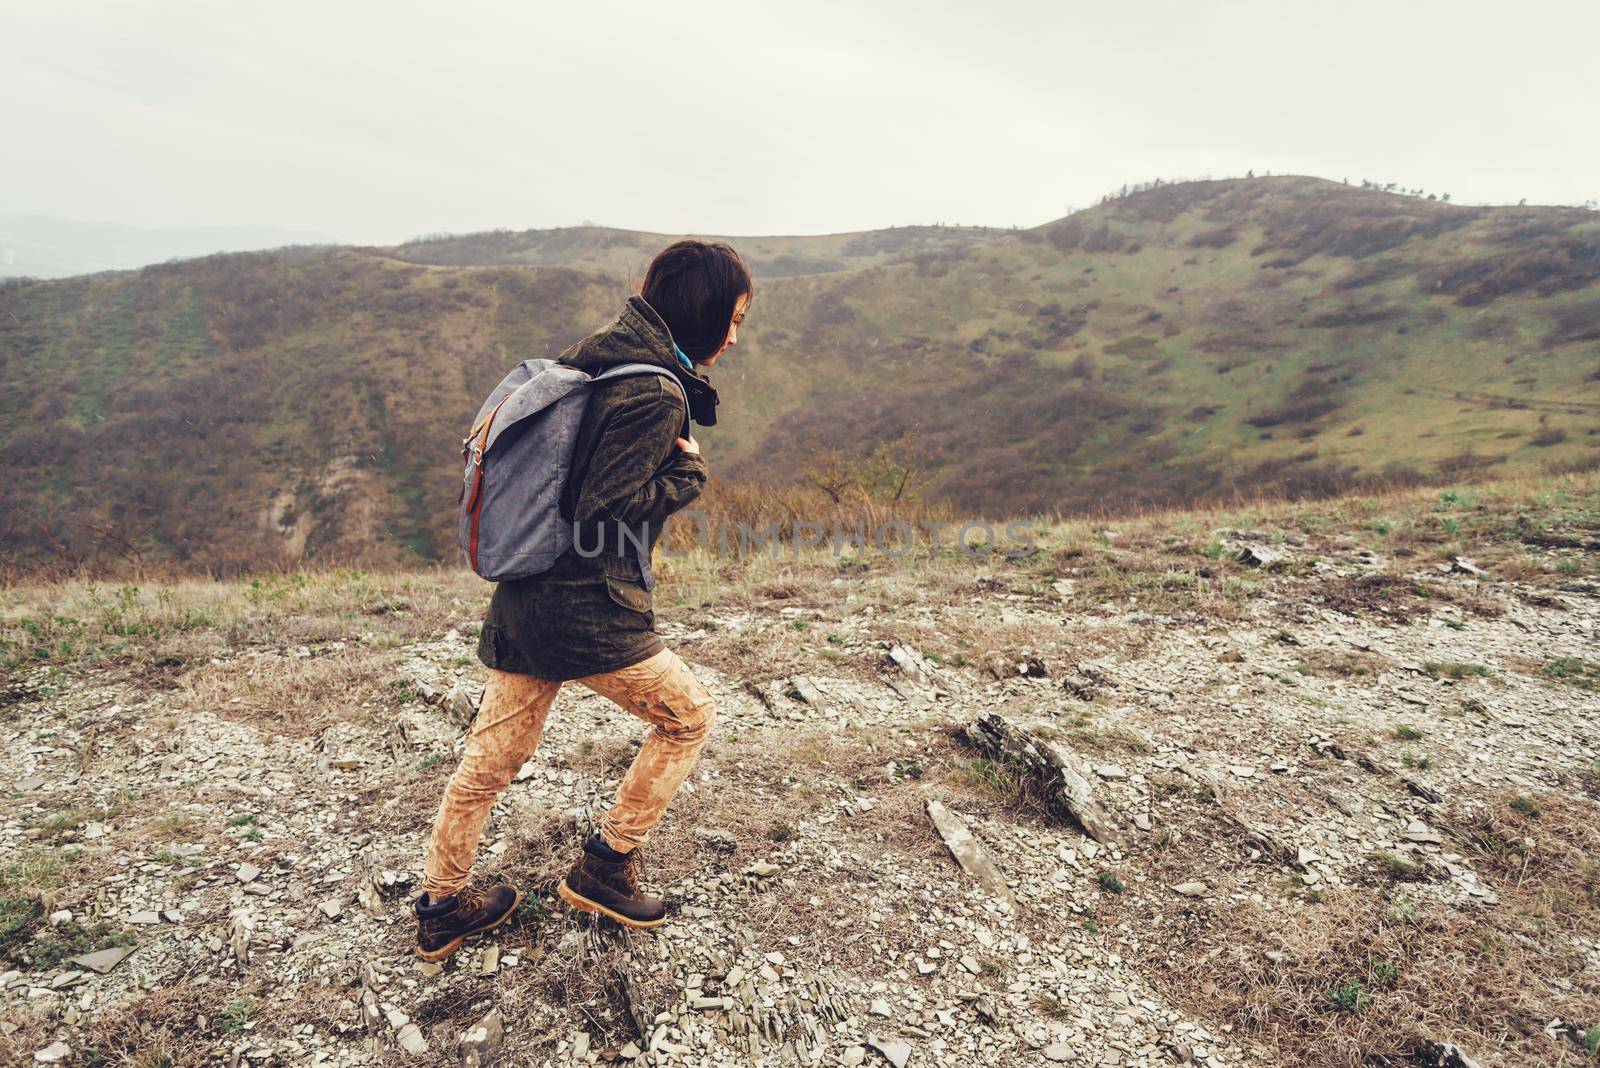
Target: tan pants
{"points": [[661, 690]]}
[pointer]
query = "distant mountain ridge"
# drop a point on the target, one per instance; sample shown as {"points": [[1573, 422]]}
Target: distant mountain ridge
{"points": [[41, 246], [1182, 343], [628, 252]]}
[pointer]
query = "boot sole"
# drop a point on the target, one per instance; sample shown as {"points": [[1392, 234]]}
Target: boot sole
{"points": [[583, 904], [444, 952]]}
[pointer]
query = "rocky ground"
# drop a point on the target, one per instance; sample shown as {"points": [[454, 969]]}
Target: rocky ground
{"points": [[1340, 763]]}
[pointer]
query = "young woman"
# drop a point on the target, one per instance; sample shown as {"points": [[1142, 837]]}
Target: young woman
{"points": [[590, 617]]}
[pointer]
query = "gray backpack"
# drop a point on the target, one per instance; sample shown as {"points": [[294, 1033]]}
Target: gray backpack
{"points": [[517, 459]]}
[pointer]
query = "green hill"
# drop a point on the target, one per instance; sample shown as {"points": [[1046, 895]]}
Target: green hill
{"points": [[1183, 343], [1200, 339]]}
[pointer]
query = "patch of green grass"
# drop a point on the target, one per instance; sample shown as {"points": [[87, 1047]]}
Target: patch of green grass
{"points": [[431, 761], [39, 870], [1108, 881], [1399, 867], [101, 627], [905, 768], [1403, 910], [1526, 805], [990, 777], [55, 944], [266, 589], [243, 819], [1349, 996], [232, 1019], [16, 913], [1488, 835], [1574, 670], [1406, 732], [1455, 670], [532, 909]]}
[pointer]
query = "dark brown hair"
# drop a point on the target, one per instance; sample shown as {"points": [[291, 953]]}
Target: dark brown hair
{"points": [[694, 286]]}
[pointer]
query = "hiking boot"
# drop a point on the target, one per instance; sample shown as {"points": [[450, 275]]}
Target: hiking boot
{"points": [[605, 882], [444, 924]]}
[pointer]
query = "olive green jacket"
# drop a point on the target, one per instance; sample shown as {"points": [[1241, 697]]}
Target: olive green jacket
{"points": [[591, 612]]}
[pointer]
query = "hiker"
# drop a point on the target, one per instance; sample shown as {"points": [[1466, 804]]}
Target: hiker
{"points": [[589, 617]]}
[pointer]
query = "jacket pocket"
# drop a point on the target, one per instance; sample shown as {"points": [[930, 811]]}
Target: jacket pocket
{"points": [[631, 595], [625, 568]]}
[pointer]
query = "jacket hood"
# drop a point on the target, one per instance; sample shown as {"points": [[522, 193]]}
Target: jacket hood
{"points": [[639, 335]]}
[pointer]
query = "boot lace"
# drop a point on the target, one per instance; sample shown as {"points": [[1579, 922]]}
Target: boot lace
{"points": [[628, 872], [471, 900]]}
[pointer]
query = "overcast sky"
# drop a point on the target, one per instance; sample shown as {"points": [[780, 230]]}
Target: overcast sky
{"points": [[377, 121]]}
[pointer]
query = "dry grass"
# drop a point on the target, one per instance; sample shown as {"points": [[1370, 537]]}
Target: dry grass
{"points": [[86, 621], [1161, 560], [297, 696], [161, 1029], [1363, 974]]}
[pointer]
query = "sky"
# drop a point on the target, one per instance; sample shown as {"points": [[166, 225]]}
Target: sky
{"points": [[379, 121]]}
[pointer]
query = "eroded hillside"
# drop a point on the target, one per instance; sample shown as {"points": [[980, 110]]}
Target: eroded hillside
{"points": [[1191, 342]]}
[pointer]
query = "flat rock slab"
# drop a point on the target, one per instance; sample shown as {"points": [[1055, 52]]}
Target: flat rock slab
{"points": [[103, 960], [968, 852], [896, 1053], [1262, 556]]}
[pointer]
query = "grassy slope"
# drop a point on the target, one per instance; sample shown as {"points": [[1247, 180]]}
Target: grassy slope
{"points": [[1184, 343], [1152, 366]]}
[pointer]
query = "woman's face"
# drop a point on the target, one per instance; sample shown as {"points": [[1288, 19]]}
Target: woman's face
{"points": [[732, 339]]}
